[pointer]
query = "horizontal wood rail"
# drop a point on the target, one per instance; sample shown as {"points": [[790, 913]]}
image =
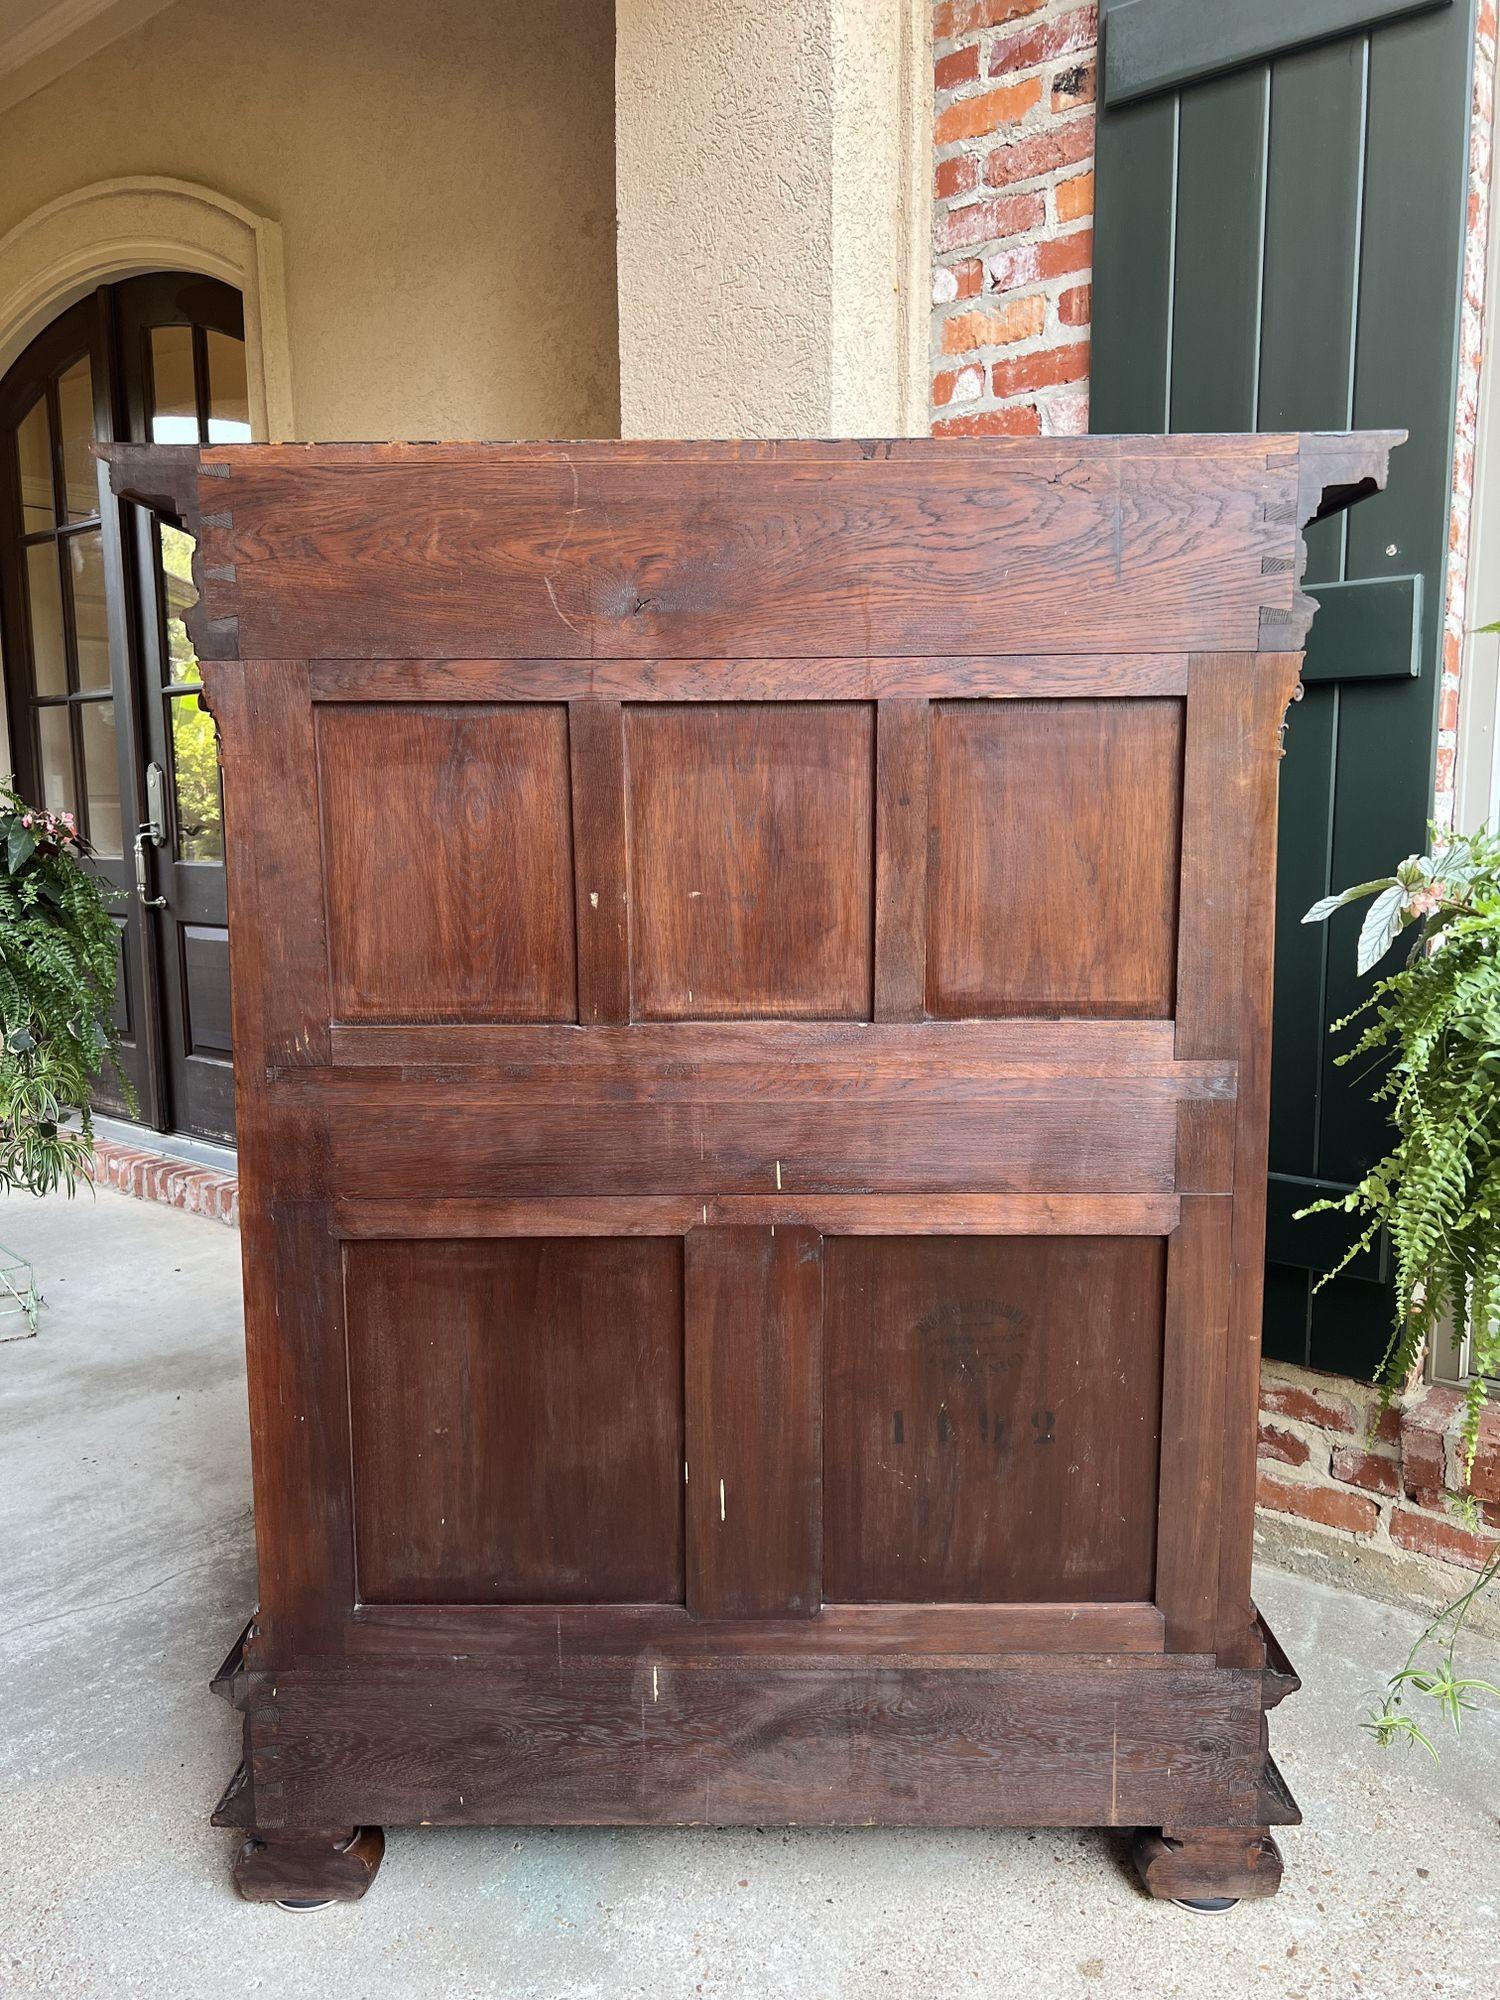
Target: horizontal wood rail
{"points": [[568, 1632]]}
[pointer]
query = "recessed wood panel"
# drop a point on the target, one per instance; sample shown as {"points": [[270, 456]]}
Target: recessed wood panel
{"points": [[751, 835], [516, 1416], [448, 861], [1054, 857], [991, 1419]]}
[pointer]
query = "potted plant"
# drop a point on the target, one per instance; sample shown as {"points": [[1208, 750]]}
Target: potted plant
{"points": [[1436, 1024], [58, 951]]}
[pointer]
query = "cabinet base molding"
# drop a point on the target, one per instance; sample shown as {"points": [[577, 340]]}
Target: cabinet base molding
{"points": [[1171, 1744]]}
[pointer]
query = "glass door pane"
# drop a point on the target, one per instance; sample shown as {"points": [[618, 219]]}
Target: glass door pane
{"points": [[90, 609], [75, 422], [49, 645], [34, 453], [58, 793], [101, 754], [198, 809], [228, 397], [174, 386]]}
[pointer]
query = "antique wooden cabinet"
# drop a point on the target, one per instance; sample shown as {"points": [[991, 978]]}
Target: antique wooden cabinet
{"points": [[751, 971]]}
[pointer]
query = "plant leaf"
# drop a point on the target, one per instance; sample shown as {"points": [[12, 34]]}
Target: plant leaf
{"points": [[20, 847], [1326, 905], [1383, 924]]}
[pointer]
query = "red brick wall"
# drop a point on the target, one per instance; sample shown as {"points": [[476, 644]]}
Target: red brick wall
{"points": [[1013, 128], [1330, 1455], [178, 1183]]}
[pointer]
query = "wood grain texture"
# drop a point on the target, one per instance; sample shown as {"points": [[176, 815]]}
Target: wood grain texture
{"points": [[751, 830], [1082, 545], [546, 1198], [333, 1866], [754, 1402], [1056, 1743], [503, 1452], [903, 756], [776, 1051], [1054, 857], [829, 1214], [601, 880], [449, 862], [992, 1418], [963, 1072], [1069, 1139], [1224, 1006], [1188, 1864], [268, 761], [901, 1634], [1055, 676], [1195, 1357]]}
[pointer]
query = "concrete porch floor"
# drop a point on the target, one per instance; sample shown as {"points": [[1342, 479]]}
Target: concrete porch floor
{"points": [[126, 1570]]}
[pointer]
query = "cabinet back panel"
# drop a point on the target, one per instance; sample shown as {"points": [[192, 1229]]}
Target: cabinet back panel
{"points": [[448, 856], [1053, 857], [751, 837], [517, 1420], [992, 1416]]}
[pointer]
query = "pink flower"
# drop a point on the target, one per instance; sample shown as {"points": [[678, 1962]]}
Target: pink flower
{"points": [[1424, 902]]}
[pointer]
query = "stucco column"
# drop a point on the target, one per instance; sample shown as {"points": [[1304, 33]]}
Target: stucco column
{"points": [[773, 165]]}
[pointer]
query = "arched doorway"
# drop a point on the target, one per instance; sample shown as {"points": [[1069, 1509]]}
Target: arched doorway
{"points": [[101, 686]]}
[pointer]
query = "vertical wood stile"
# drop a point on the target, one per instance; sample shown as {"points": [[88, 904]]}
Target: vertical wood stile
{"points": [[753, 1307], [294, 1336], [902, 775], [596, 746], [1235, 706], [279, 763], [1195, 1348]]}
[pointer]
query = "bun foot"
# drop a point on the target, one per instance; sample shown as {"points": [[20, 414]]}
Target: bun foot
{"points": [[1207, 1868], [305, 1871]]}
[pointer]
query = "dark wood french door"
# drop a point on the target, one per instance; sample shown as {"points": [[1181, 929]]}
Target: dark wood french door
{"points": [[101, 683]]}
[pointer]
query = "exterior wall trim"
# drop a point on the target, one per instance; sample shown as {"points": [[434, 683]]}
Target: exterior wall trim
{"points": [[118, 228]]}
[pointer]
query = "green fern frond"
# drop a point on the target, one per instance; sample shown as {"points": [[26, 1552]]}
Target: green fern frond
{"points": [[59, 948]]}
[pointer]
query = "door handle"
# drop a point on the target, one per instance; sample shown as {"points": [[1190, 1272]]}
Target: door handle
{"points": [[142, 871], [154, 829]]}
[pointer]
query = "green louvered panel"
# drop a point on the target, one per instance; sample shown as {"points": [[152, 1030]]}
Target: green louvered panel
{"points": [[1281, 196]]}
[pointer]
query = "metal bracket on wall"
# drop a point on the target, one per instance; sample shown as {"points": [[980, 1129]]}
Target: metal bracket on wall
{"points": [[1369, 629]]}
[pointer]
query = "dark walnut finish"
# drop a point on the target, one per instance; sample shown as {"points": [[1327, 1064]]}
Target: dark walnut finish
{"points": [[752, 976]]}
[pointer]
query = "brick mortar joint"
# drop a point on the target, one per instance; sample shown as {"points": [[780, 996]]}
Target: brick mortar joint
{"points": [[1329, 1417], [1386, 1506], [188, 1185]]}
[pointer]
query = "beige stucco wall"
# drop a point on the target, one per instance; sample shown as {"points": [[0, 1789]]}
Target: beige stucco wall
{"points": [[443, 175], [773, 173]]}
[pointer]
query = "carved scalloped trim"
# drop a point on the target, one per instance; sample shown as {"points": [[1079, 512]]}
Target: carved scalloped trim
{"points": [[1335, 470], [167, 479]]}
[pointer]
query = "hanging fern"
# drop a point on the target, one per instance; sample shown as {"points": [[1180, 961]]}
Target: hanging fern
{"points": [[58, 950], [1437, 1191]]}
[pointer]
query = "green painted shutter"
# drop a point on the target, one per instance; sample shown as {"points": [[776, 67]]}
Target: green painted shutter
{"points": [[1279, 245]]}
